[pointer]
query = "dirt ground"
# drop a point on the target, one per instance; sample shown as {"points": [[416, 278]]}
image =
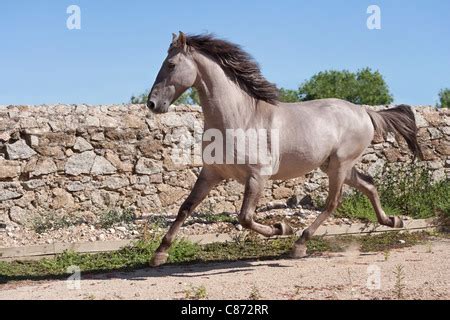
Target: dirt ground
{"points": [[419, 272]]}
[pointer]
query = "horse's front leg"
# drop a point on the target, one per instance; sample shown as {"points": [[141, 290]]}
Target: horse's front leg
{"points": [[253, 189], [205, 182], [337, 172]]}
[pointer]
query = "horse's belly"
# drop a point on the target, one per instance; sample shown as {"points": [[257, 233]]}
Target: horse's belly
{"points": [[293, 166]]}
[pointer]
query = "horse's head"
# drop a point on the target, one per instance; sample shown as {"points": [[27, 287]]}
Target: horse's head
{"points": [[177, 74]]}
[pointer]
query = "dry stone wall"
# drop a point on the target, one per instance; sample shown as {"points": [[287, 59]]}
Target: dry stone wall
{"points": [[83, 160]]}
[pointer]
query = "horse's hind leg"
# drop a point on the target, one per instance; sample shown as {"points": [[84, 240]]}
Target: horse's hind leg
{"points": [[365, 184], [205, 182], [337, 173], [253, 190]]}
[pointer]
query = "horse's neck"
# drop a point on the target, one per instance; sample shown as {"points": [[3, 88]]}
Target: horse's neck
{"points": [[225, 105]]}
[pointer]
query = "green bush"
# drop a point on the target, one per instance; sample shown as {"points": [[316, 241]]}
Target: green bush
{"points": [[444, 98], [50, 221], [413, 193], [407, 191], [112, 217], [140, 99], [363, 87], [358, 206]]}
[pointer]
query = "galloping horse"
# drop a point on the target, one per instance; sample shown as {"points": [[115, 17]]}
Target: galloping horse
{"points": [[329, 134]]}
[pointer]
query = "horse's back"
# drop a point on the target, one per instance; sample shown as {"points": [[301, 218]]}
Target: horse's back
{"points": [[327, 114], [322, 107], [312, 131]]}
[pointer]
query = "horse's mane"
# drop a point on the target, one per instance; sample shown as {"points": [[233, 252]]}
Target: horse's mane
{"points": [[237, 64]]}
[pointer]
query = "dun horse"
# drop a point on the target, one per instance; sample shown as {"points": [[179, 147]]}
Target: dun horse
{"points": [[329, 134]]}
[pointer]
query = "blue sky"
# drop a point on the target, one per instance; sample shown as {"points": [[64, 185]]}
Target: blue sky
{"points": [[121, 44]]}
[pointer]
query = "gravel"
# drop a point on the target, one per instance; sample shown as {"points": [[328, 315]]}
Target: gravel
{"points": [[15, 235]]}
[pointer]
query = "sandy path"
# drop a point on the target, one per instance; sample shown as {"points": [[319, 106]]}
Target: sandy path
{"points": [[332, 276]]}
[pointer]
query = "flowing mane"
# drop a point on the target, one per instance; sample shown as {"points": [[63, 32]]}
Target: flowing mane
{"points": [[237, 64]]}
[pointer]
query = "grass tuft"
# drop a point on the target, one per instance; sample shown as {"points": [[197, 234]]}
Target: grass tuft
{"points": [[48, 222], [255, 294], [196, 293], [112, 217]]}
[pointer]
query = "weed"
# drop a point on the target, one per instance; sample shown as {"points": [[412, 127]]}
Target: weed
{"points": [[239, 238], [409, 191], [356, 205], [49, 222], [195, 293], [111, 217], [391, 240], [429, 246], [254, 293], [399, 281], [213, 218], [183, 251], [320, 245], [157, 222]]}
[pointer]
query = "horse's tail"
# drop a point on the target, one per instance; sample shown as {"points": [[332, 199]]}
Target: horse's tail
{"points": [[398, 120]]}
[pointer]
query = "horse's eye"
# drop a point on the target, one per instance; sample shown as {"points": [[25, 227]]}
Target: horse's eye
{"points": [[171, 65]]}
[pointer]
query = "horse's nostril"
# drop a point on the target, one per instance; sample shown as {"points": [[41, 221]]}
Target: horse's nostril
{"points": [[151, 105]]}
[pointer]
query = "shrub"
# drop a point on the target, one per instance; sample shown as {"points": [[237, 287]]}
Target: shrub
{"points": [[288, 95], [50, 221], [112, 217], [444, 98], [408, 191], [412, 191], [189, 97]]}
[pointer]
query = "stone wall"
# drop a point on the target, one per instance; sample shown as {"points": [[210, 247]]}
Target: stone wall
{"points": [[84, 160]]}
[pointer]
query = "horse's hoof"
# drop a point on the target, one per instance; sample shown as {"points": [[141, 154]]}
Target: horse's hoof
{"points": [[396, 222], [285, 229], [159, 259], [298, 252]]}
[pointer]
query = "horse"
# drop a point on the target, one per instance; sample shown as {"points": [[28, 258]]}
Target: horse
{"points": [[330, 134]]}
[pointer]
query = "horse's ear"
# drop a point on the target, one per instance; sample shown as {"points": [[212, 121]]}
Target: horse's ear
{"points": [[182, 41], [174, 38]]}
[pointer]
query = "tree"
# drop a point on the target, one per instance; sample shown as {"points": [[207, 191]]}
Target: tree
{"points": [[189, 97], [288, 95], [140, 99], [372, 89], [194, 96], [444, 98], [362, 87]]}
